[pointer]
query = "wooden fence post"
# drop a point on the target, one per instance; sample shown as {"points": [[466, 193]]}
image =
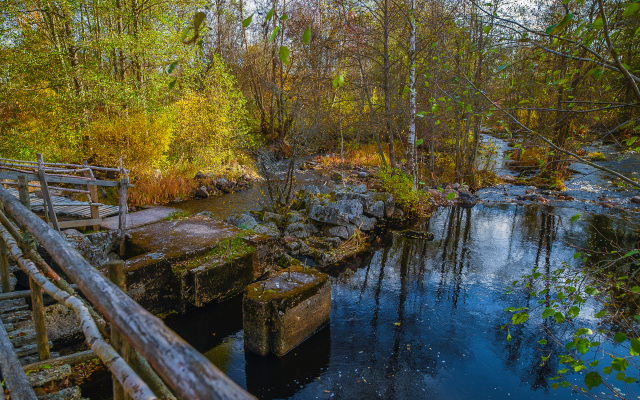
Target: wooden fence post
{"points": [[117, 276], [23, 191], [93, 196], [37, 312], [44, 186], [122, 194], [4, 268]]}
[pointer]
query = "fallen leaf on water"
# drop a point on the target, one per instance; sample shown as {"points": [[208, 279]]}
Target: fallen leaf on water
{"points": [[396, 323]]}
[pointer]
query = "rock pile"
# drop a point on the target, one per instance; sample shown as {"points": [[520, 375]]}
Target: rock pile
{"points": [[324, 222]]}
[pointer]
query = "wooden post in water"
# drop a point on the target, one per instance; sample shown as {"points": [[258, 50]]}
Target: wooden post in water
{"points": [[117, 276], [37, 312], [93, 196], [122, 194], [4, 268], [44, 186]]}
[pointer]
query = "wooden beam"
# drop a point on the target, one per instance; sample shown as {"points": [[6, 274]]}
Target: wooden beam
{"points": [[12, 373], [45, 193], [81, 222], [186, 370], [71, 359], [93, 198], [60, 179]]}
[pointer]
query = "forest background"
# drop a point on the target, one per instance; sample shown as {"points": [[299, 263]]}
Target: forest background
{"points": [[178, 86]]}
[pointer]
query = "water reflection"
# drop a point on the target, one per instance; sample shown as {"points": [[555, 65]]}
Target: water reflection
{"points": [[420, 319]]}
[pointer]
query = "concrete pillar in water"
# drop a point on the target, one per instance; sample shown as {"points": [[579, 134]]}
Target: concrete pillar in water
{"points": [[280, 313]]}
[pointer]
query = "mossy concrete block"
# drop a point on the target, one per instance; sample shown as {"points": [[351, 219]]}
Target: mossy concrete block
{"points": [[217, 279], [181, 238], [283, 311]]}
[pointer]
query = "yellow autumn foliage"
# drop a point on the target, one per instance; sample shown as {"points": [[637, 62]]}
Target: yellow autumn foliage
{"points": [[141, 139]]}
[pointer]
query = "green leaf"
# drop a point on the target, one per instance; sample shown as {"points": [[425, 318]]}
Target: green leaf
{"points": [[559, 317], [592, 379], [269, 14], [274, 33], [419, 142], [563, 371], [542, 341], [172, 66], [519, 318], [548, 312], [198, 19], [601, 314], [583, 346], [284, 55], [630, 10], [591, 291], [508, 336], [635, 347], [635, 289], [451, 196], [172, 83], [583, 331], [306, 36], [619, 364], [247, 21], [575, 218], [500, 68], [629, 380], [551, 29], [632, 252], [46, 366], [620, 337], [555, 385], [284, 17], [486, 29], [573, 312], [594, 363]]}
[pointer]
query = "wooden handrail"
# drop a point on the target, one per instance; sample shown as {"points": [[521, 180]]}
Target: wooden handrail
{"points": [[183, 368]]}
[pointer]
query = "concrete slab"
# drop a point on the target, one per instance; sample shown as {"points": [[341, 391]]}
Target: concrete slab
{"points": [[181, 238], [139, 218]]}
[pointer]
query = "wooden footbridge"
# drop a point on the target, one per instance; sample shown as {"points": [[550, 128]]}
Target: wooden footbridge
{"points": [[146, 359]]}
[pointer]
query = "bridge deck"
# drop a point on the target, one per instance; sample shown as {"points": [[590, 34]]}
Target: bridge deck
{"points": [[65, 206]]}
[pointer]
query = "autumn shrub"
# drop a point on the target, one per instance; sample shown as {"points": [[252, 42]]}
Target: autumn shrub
{"points": [[139, 138], [400, 185], [41, 121], [211, 124]]}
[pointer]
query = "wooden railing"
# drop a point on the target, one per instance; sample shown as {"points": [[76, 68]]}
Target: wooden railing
{"points": [[185, 371]]}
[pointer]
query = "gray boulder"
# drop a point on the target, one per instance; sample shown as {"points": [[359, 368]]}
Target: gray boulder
{"points": [[201, 193], [300, 230], [353, 208], [105, 241], [467, 200], [338, 231], [328, 215], [375, 210], [364, 223], [272, 217], [270, 229], [243, 221], [365, 198], [389, 203], [293, 217], [224, 185], [635, 199]]}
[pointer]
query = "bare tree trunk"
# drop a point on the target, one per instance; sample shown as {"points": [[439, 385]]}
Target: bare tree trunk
{"points": [[411, 139], [387, 105]]}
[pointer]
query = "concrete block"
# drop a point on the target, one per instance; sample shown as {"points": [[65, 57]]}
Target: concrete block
{"points": [[285, 310]]}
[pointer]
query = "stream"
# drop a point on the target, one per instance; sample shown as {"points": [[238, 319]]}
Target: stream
{"points": [[422, 319]]}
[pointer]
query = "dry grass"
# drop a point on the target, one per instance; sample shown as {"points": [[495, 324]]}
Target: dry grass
{"points": [[157, 187], [363, 156]]}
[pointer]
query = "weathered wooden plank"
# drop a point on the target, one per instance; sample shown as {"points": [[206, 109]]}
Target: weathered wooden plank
{"points": [[14, 377], [4, 268], [71, 359], [186, 370], [80, 222], [59, 179]]}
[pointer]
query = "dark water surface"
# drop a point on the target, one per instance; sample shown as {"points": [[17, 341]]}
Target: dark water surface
{"points": [[421, 319]]}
